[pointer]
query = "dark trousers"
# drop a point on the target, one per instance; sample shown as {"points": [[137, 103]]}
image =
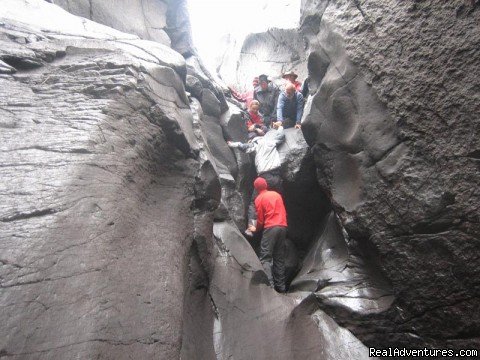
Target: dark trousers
{"points": [[274, 182], [272, 256]]}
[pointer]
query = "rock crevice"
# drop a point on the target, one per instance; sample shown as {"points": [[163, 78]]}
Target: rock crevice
{"points": [[122, 205]]}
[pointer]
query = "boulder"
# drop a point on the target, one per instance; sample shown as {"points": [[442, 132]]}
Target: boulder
{"points": [[196, 68], [144, 18], [194, 86], [272, 52], [210, 104]]}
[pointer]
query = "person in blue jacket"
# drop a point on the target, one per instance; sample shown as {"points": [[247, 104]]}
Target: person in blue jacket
{"points": [[290, 107]]}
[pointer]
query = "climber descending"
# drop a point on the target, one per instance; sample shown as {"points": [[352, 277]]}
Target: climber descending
{"points": [[267, 163], [272, 219]]}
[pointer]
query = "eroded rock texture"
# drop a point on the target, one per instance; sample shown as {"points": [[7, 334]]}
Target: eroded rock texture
{"points": [[273, 52], [250, 320], [145, 18], [122, 206], [247, 318], [95, 219], [392, 122]]}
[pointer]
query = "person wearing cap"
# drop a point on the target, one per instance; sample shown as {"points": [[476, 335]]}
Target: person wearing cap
{"points": [[290, 107], [245, 97], [272, 219], [267, 95], [267, 163], [291, 77]]}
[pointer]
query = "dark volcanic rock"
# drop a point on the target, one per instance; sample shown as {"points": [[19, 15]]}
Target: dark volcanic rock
{"points": [[152, 20], [96, 196], [211, 135], [144, 18], [122, 204], [196, 68], [210, 104], [178, 27], [392, 122], [231, 298], [337, 269], [194, 86], [272, 52], [265, 324]]}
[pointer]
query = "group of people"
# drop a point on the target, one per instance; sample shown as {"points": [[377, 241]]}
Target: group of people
{"points": [[266, 212], [268, 105], [270, 109]]}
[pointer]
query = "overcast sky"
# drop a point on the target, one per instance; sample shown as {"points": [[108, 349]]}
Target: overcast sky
{"points": [[212, 19]]}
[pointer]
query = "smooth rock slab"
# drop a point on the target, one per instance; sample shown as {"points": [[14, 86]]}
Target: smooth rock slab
{"points": [[144, 18], [251, 320]]}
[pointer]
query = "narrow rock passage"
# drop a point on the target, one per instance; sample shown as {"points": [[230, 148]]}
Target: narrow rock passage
{"points": [[126, 239], [228, 294], [122, 206], [390, 123]]}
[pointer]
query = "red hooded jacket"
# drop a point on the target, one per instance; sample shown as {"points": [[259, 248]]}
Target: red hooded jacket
{"points": [[269, 205]]}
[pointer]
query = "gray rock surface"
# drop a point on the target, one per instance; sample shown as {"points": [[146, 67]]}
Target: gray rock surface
{"points": [[392, 126], [95, 211], [392, 122], [228, 294], [163, 21], [273, 52], [194, 86], [196, 68], [337, 270], [250, 320], [122, 205], [144, 18], [178, 27], [211, 135]]}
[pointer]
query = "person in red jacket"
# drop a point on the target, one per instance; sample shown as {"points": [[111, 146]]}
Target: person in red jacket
{"points": [[272, 218]]}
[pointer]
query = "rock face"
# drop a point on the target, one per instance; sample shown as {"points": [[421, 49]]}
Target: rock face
{"points": [[273, 52], [392, 125], [121, 206], [392, 128], [251, 321], [146, 18], [96, 189], [163, 21]]}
